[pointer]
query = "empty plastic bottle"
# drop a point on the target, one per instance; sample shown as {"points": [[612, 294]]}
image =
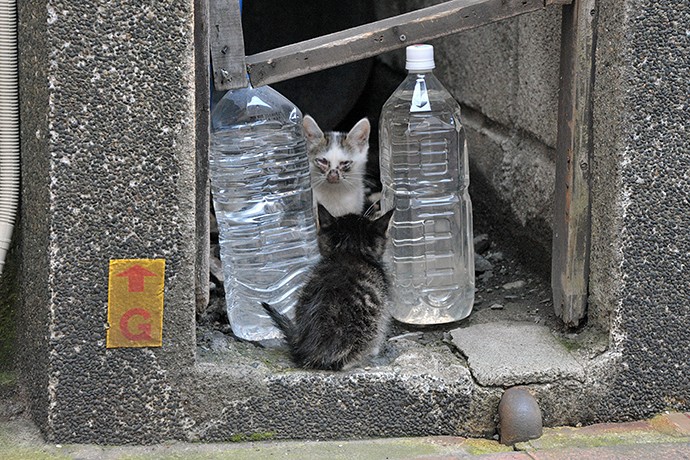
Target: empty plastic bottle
{"points": [[263, 203], [424, 173]]}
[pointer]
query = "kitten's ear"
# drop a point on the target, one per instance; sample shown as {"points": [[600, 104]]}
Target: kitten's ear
{"points": [[312, 132], [381, 224], [359, 134], [325, 217]]}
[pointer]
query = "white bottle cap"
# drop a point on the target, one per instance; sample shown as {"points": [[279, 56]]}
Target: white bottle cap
{"points": [[420, 57]]}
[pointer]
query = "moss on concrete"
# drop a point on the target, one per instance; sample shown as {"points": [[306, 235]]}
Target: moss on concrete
{"points": [[568, 344], [21, 453], [561, 438], [484, 446], [20, 440], [288, 450]]}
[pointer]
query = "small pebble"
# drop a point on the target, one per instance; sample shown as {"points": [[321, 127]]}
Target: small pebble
{"points": [[216, 268], [510, 297], [481, 265], [514, 285], [496, 306], [495, 256]]}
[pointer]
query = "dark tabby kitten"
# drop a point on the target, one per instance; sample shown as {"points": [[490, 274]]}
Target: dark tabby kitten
{"points": [[341, 316]]}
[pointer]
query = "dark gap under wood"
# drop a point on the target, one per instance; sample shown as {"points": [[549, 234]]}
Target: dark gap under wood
{"points": [[381, 36]]}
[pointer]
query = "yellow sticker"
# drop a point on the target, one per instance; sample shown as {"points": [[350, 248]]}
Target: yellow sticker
{"points": [[135, 303]]}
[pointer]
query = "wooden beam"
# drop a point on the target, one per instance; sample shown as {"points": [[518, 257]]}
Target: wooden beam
{"points": [[227, 45], [572, 221], [385, 35]]}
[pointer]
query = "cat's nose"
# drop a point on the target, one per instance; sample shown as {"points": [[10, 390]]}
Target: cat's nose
{"points": [[332, 177]]}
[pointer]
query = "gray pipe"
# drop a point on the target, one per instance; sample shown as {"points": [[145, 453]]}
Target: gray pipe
{"points": [[9, 125]]}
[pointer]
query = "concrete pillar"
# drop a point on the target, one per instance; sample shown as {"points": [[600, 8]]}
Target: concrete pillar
{"points": [[107, 92], [640, 277]]}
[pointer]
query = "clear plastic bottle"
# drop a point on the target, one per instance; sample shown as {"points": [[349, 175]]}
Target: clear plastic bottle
{"points": [[425, 176], [263, 202]]}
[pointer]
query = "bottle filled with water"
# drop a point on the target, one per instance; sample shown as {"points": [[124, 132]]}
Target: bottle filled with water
{"points": [[425, 176], [263, 202]]}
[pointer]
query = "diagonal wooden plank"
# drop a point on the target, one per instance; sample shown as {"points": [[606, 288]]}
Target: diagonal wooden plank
{"points": [[572, 222], [385, 35]]}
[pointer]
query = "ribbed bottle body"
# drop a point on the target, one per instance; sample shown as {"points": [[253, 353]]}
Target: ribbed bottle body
{"points": [[263, 204], [425, 177]]}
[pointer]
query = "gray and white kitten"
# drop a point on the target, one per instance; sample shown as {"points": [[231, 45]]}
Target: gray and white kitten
{"points": [[338, 162], [342, 315]]}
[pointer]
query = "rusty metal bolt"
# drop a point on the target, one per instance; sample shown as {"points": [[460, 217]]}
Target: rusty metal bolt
{"points": [[519, 416]]}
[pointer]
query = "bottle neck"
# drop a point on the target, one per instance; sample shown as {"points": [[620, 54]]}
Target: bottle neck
{"points": [[420, 71]]}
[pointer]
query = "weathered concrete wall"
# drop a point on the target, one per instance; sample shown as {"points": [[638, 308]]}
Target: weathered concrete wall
{"points": [[641, 201], [108, 106], [34, 315], [506, 77], [107, 93]]}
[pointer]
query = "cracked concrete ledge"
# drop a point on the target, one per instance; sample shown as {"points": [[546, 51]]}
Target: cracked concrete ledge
{"points": [[412, 389], [508, 354]]}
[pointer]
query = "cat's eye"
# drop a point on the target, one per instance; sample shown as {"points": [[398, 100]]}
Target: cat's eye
{"points": [[322, 162], [345, 165]]}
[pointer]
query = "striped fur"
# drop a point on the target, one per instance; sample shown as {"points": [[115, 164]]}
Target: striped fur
{"points": [[341, 317]]}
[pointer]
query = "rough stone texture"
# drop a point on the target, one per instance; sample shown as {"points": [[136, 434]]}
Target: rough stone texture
{"points": [[491, 354], [34, 316], [108, 169], [244, 391], [641, 243], [108, 164]]}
